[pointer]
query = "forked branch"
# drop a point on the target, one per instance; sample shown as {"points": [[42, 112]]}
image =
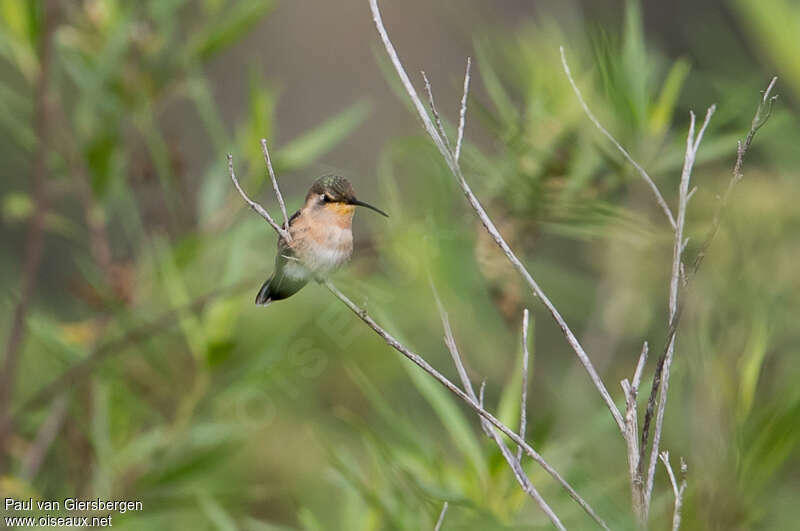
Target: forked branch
{"points": [[659, 198], [261, 211], [471, 401], [513, 462], [486, 221], [677, 490]]}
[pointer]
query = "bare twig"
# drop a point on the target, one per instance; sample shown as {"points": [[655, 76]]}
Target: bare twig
{"points": [[676, 490], [45, 437], [255, 206], [631, 441], [761, 116], [692, 145], [34, 246], [659, 198], [473, 404], [631, 391], [438, 525], [435, 112], [637, 375], [471, 401], [275, 187], [462, 115], [487, 222], [523, 398], [513, 462]]}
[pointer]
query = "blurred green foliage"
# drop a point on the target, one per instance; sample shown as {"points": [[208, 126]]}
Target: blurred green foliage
{"points": [[235, 417]]}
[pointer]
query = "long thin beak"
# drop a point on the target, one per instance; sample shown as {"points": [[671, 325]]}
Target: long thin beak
{"points": [[364, 204]]}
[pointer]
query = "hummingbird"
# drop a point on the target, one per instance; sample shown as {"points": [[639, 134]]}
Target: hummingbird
{"points": [[322, 239]]}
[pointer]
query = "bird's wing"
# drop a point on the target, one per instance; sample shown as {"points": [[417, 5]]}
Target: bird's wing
{"points": [[285, 252]]}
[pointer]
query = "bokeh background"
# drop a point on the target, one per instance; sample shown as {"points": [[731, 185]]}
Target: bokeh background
{"points": [[140, 369]]}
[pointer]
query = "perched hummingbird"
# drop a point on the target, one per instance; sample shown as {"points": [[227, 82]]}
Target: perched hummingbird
{"points": [[322, 239]]}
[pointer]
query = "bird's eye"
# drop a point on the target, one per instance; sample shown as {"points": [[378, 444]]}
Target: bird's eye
{"points": [[326, 198], [323, 198]]}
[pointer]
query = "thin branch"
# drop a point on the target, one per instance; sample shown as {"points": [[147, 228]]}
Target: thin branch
{"points": [[487, 222], [692, 145], [676, 490], [438, 525], [416, 359], [631, 391], [275, 187], [45, 437], [523, 398], [462, 115], [82, 369], [631, 441], [34, 247], [473, 404], [513, 462], [637, 375], [659, 198], [761, 116], [435, 113], [415, 100], [255, 206]]}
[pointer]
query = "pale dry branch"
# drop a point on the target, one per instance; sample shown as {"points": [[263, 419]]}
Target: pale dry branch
{"points": [[255, 206], [471, 401], [523, 398], [762, 114], [487, 222], [631, 441], [692, 145], [275, 187], [473, 404], [435, 112], [462, 115], [438, 525], [637, 375], [676, 489], [513, 462], [659, 198], [420, 362], [631, 392]]}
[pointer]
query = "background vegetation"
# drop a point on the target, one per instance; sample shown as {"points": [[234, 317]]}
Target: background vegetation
{"points": [[221, 415]]}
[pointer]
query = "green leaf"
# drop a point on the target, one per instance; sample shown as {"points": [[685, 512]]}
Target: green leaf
{"points": [[461, 432], [231, 26], [635, 62], [308, 147], [217, 515], [751, 364], [14, 16], [101, 438], [661, 113], [391, 418], [17, 206], [99, 155], [494, 88], [178, 293]]}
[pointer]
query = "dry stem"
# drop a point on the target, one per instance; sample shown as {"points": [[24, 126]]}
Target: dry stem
{"points": [[487, 222]]}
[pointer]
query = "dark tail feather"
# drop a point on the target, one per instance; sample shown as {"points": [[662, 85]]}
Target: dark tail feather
{"points": [[273, 290]]}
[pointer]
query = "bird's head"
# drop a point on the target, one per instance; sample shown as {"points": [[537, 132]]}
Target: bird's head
{"points": [[335, 194]]}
